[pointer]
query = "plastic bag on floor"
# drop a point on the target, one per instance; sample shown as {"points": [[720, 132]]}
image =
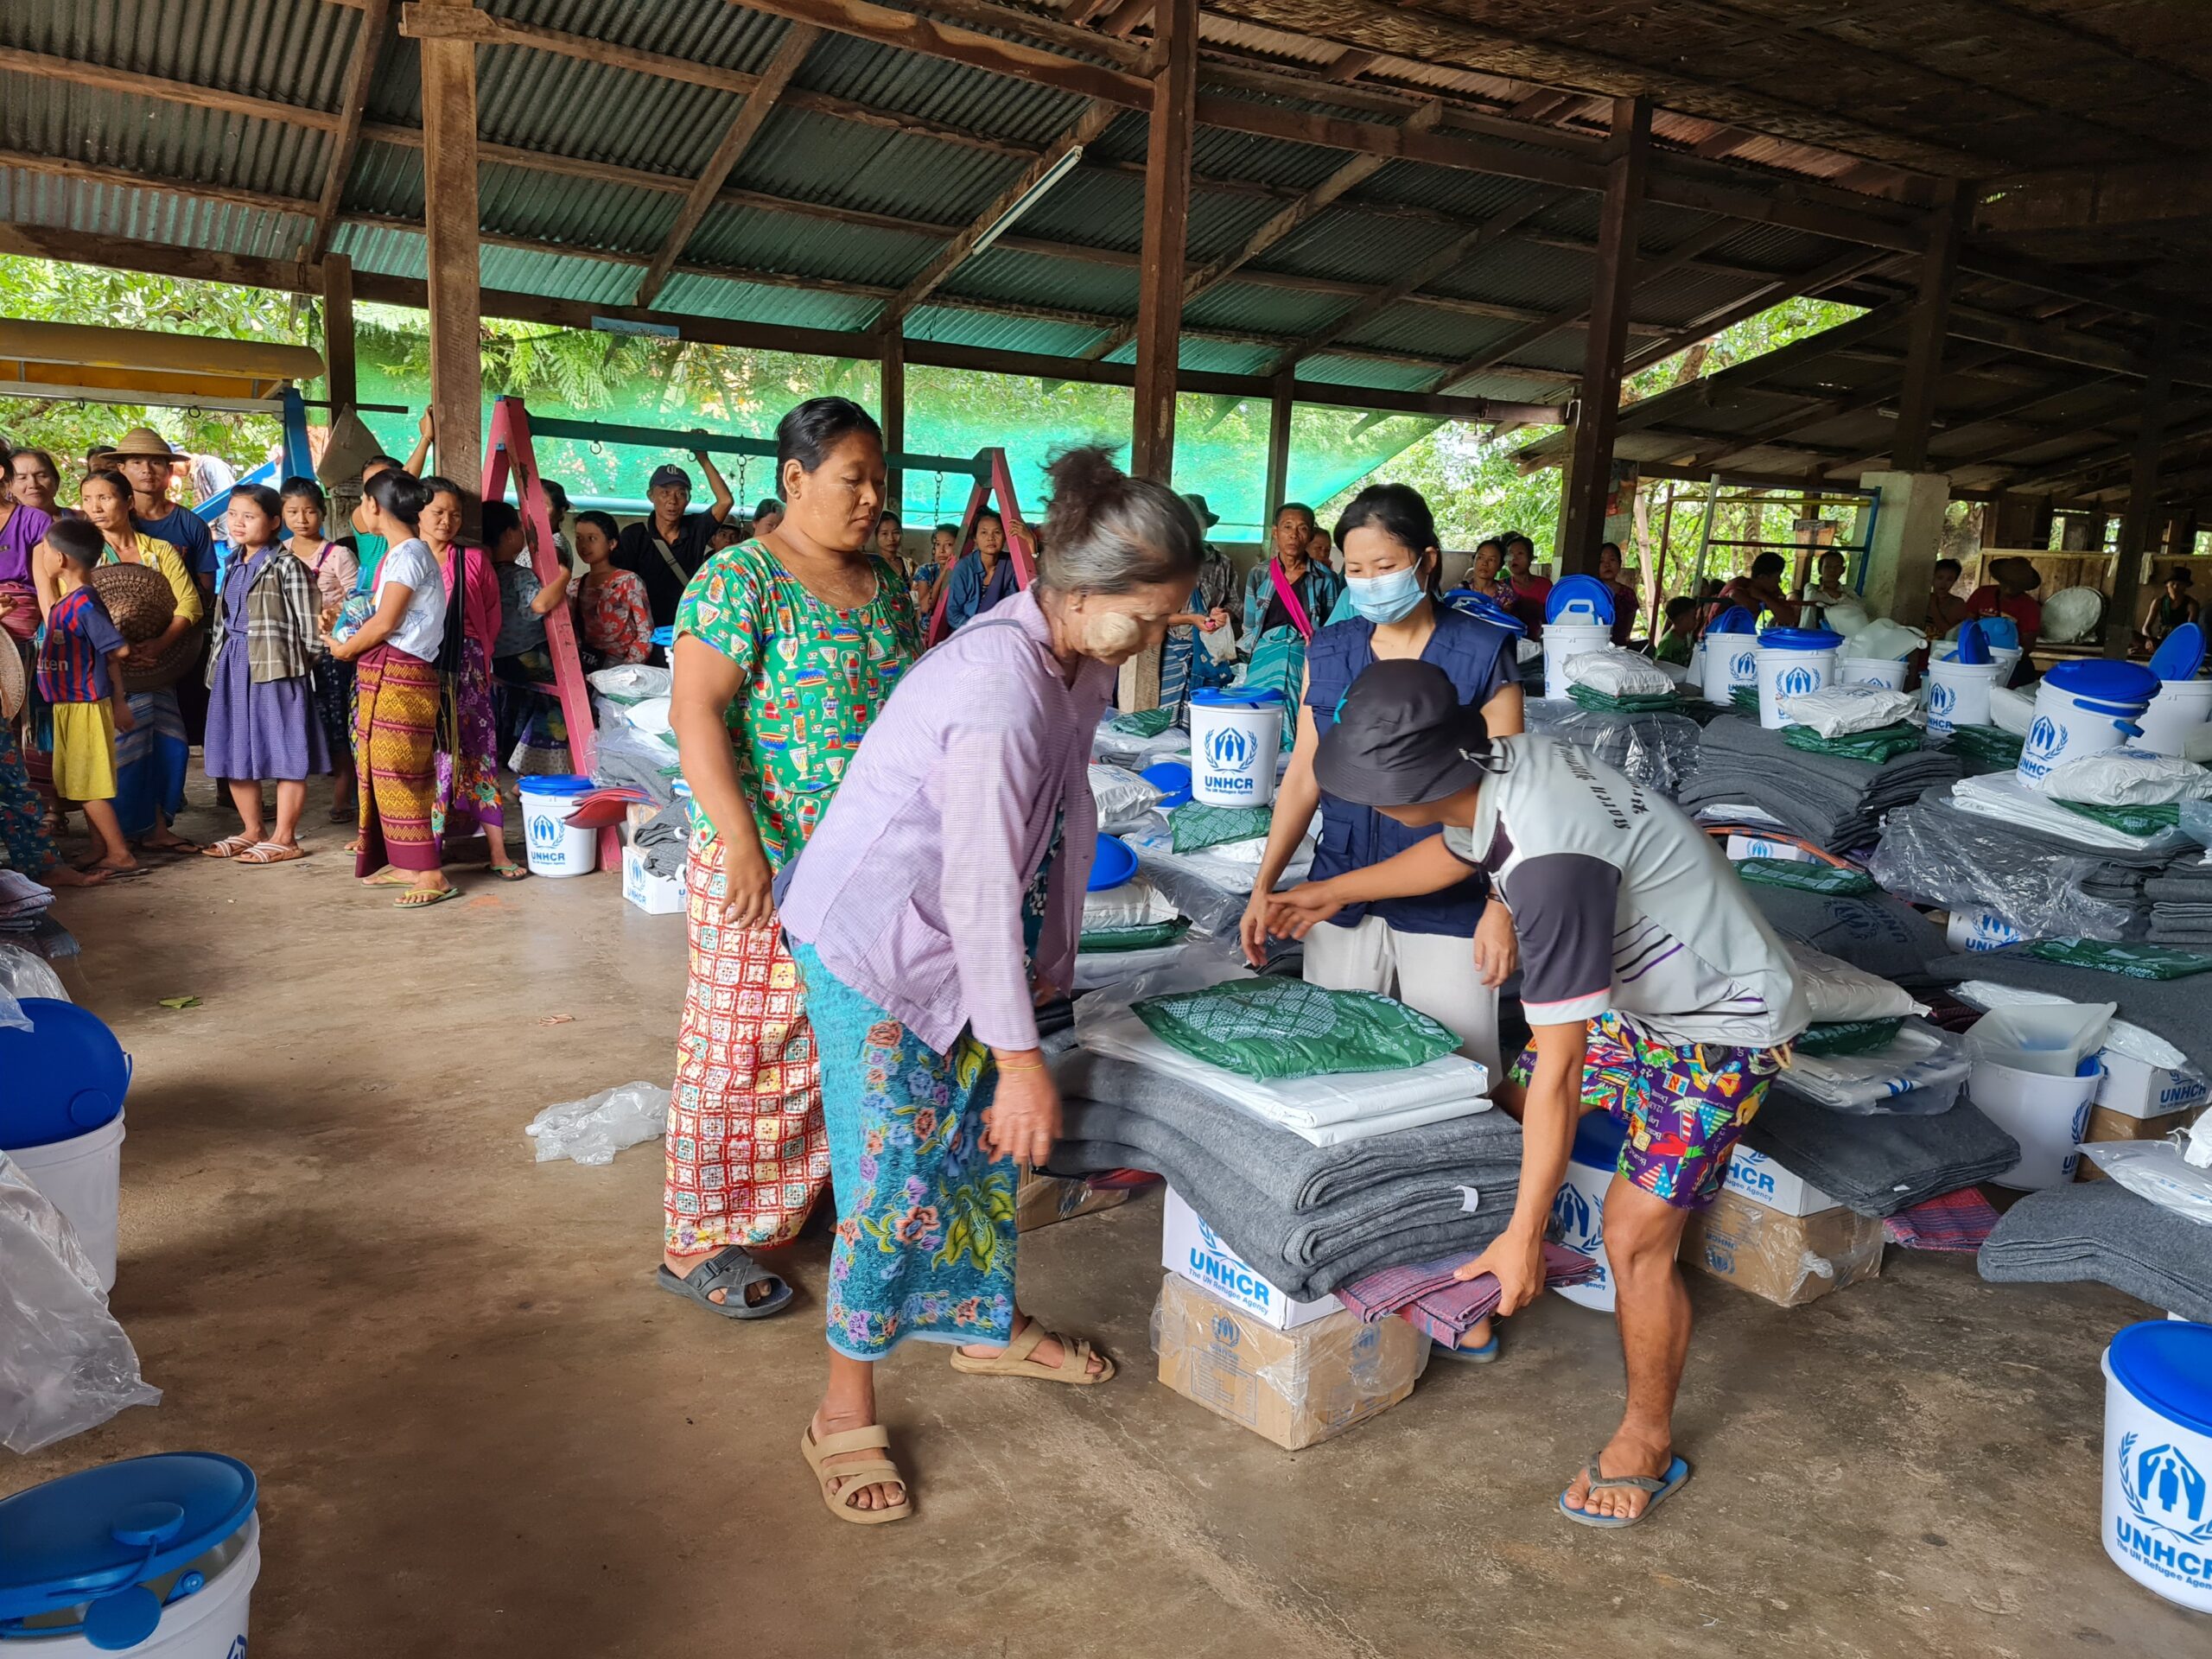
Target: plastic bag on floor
{"points": [[592, 1131], [66, 1365]]}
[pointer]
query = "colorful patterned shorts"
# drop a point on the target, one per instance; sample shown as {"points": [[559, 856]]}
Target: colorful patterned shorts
{"points": [[1683, 1108]]}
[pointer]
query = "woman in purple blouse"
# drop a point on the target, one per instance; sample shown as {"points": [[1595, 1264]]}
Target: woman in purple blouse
{"points": [[941, 895]]}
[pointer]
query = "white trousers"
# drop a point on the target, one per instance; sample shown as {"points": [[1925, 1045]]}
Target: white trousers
{"points": [[1432, 972]]}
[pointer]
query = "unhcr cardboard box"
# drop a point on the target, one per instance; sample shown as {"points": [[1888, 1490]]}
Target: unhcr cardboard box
{"points": [[1294, 1388], [1044, 1199], [2106, 1124], [1190, 1248], [1755, 1176], [1784, 1259], [2133, 1087]]}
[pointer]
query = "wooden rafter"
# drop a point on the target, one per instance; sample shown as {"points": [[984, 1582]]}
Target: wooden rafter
{"points": [[47, 67], [752, 115], [352, 110]]}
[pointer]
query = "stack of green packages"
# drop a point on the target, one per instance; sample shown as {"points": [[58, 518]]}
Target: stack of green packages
{"points": [[1842, 1037], [1746, 700], [1634, 702], [1271, 1028], [1197, 826], [1142, 722], [1149, 936], [1883, 743], [1806, 878], [2129, 820], [2135, 961], [1985, 748]]}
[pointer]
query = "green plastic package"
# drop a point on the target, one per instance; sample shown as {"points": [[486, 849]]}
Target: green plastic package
{"points": [[1882, 744], [2129, 820], [1270, 1028], [2135, 961], [1806, 878], [1150, 936], [1142, 722], [1197, 826], [1638, 702], [1849, 1037]]}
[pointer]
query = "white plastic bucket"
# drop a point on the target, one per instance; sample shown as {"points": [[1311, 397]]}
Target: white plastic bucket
{"points": [[1233, 749], [1785, 671], [1981, 930], [1564, 641], [1873, 670], [1731, 660], [2067, 727], [2179, 708], [1958, 694], [2158, 1483], [555, 846], [2046, 1114], [82, 1177], [209, 1623]]}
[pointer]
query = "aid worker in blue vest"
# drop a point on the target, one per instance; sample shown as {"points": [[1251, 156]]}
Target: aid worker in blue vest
{"points": [[1417, 949]]}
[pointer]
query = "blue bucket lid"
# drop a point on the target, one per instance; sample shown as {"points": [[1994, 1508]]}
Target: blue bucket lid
{"points": [[2167, 1364], [101, 1533], [1115, 864], [557, 783], [2180, 654], [1597, 1137], [1172, 779], [66, 1075], [1735, 620], [2002, 632], [1973, 646], [1233, 696], [1483, 608], [1578, 593], [2104, 682], [1800, 640]]}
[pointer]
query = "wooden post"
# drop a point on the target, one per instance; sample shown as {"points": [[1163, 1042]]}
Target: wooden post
{"points": [[2140, 524], [1929, 321], [1160, 291], [894, 419], [450, 216], [338, 363], [1167, 218], [1590, 468], [1278, 490]]}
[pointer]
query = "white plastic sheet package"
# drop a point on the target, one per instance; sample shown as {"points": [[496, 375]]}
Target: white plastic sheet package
{"points": [[630, 683], [1124, 799], [1136, 903], [2000, 796], [1922, 1071], [2157, 1171], [2125, 778], [1618, 673], [1836, 992], [1839, 711], [66, 1364], [2011, 711], [593, 1129]]}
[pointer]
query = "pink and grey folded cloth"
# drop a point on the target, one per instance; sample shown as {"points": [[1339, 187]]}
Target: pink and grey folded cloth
{"points": [[1955, 1221], [1445, 1308]]}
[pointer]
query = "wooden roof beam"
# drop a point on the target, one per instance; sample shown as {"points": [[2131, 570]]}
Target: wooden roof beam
{"points": [[2093, 198], [752, 114], [352, 110], [47, 67], [2069, 346]]}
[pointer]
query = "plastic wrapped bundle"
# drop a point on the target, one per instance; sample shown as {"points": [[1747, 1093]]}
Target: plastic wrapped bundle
{"points": [[1934, 853], [1656, 750]]}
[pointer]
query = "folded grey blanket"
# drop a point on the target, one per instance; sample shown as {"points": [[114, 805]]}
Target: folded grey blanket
{"points": [[1833, 801], [1292, 1172], [1268, 1240], [2179, 1010], [1880, 1165], [1884, 936], [2099, 1231]]}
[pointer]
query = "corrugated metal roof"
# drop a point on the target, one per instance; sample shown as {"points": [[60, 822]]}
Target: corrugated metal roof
{"points": [[792, 243], [815, 158], [29, 198], [48, 116], [293, 51], [1254, 309], [1020, 112], [1366, 371], [548, 101], [724, 36], [792, 308], [515, 202], [1035, 279], [996, 333]]}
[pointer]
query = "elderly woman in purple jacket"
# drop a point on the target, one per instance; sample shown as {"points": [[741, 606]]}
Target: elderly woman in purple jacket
{"points": [[941, 893]]}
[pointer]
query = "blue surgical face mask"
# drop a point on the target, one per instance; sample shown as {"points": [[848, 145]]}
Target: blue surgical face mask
{"points": [[1386, 598]]}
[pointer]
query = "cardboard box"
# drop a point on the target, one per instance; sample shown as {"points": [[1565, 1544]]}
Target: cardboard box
{"points": [[1043, 1199], [1743, 847], [2137, 1088], [1786, 1260], [635, 817], [1189, 1247], [2105, 1124], [1294, 1388], [657, 895], [1755, 1176]]}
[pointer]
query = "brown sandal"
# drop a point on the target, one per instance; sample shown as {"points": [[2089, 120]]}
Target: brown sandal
{"points": [[228, 847], [840, 1482], [270, 852], [1074, 1369]]}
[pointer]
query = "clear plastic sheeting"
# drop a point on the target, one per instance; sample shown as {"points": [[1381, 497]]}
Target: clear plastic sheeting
{"points": [[1920, 1074], [1936, 859], [2049, 1039], [66, 1364], [1209, 889], [1658, 751], [593, 1131], [25, 973], [626, 755], [2157, 1170]]}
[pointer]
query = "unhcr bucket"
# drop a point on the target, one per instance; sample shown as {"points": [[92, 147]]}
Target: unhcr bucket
{"points": [[2046, 1114], [2158, 1486], [2084, 709], [557, 847], [1235, 737], [1792, 662], [1958, 694]]}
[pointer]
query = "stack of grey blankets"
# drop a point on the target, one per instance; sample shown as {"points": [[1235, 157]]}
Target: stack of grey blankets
{"points": [[1877, 1165], [1307, 1218], [2099, 1231], [2181, 906], [2047, 886], [2179, 1010], [1830, 800], [1884, 936]]}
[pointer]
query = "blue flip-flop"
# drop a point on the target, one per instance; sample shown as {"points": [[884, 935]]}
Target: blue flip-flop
{"points": [[1483, 1356], [1661, 1491]]}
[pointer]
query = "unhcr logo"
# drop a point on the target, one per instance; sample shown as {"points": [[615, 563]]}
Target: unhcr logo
{"points": [[2165, 1490], [1797, 683], [2046, 736], [1231, 748], [544, 829]]}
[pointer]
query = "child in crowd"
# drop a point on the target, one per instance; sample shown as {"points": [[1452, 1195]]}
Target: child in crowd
{"points": [[1680, 635], [928, 579], [335, 571], [532, 733], [80, 678], [618, 622], [262, 721]]}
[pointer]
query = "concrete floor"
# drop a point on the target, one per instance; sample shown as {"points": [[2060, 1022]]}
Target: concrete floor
{"points": [[480, 1430]]}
